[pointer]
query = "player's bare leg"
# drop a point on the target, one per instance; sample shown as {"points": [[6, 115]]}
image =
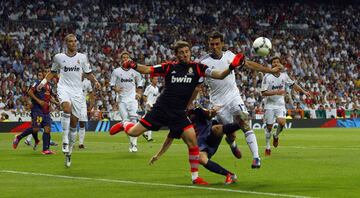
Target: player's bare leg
{"points": [[65, 124], [189, 137], [281, 123], [267, 139]]}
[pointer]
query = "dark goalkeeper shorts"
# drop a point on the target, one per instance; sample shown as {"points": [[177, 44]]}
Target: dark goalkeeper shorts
{"points": [[176, 120]]}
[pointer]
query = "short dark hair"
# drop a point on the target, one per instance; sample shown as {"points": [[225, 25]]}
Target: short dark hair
{"points": [[124, 53], [180, 44], [215, 35], [274, 58]]}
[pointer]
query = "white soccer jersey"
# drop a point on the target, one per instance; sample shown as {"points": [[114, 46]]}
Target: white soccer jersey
{"points": [[151, 94], [221, 91], [71, 70], [127, 80], [271, 82], [86, 87]]}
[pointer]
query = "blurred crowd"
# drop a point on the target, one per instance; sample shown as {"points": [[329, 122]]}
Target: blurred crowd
{"points": [[318, 43]]}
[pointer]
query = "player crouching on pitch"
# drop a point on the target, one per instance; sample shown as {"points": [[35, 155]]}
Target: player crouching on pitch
{"points": [[209, 137]]}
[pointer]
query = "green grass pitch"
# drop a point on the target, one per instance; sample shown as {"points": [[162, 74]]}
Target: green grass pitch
{"points": [[307, 163]]}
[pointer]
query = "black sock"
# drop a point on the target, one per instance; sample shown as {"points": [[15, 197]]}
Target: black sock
{"points": [[230, 128], [216, 168], [27, 132], [35, 136], [46, 141]]}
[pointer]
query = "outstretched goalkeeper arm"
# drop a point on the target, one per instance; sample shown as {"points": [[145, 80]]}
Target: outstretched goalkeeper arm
{"points": [[167, 143]]}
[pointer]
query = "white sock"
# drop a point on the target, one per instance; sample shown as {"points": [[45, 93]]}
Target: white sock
{"points": [[81, 135], [149, 134], [65, 124], [133, 140], [267, 138], [72, 139], [194, 175], [252, 143], [29, 138]]}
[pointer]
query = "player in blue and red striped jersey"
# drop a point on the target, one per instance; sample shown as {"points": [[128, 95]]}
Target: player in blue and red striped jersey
{"points": [[182, 77], [40, 116]]}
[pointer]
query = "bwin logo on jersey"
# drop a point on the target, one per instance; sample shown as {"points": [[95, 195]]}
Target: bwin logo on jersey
{"points": [[69, 69], [126, 80], [184, 79], [277, 87]]}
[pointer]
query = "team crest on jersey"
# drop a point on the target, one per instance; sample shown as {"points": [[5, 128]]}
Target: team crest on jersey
{"points": [[78, 61], [190, 71]]}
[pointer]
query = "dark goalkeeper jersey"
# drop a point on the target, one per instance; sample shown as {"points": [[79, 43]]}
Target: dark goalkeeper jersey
{"points": [[180, 82]]}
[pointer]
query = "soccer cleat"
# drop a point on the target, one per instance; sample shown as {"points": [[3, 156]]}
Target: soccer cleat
{"points": [[267, 152], [146, 137], [150, 140], [255, 163], [52, 143], [36, 144], [27, 142], [199, 181], [67, 161], [48, 152], [65, 148], [81, 146], [234, 149], [275, 141], [230, 178], [134, 149], [116, 128], [16, 142]]}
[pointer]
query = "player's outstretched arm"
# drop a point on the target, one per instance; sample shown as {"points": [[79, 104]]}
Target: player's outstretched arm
{"points": [[238, 61], [297, 88], [143, 69], [48, 77], [92, 78], [258, 67], [280, 92], [167, 143]]}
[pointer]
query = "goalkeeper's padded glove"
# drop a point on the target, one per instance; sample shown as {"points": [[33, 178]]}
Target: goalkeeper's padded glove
{"points": [[238, 61], [130, 64]]}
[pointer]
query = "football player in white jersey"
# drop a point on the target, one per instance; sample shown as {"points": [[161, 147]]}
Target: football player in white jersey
{"points": [[273, 87], [89, 97], [128, 86], [150, 95], [225, 93], [71, 65]]}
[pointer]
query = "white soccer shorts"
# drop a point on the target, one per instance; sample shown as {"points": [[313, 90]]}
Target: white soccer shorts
{"points": [[77, 101], [228, 111], [272, 114], [128, 110]]}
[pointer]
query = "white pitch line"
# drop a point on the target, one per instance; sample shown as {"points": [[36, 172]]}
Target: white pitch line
{"points": [[154, 184]]}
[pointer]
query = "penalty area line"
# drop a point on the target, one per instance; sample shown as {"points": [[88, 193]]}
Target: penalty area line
{"points": [[154, 184]]}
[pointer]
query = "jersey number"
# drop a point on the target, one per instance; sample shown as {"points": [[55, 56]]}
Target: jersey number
{"points": [[39, 119]]}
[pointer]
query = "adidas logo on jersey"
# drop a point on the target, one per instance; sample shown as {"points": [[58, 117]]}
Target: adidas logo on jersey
{"points": [[126, 80], [69, 69], [184, 79]]}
